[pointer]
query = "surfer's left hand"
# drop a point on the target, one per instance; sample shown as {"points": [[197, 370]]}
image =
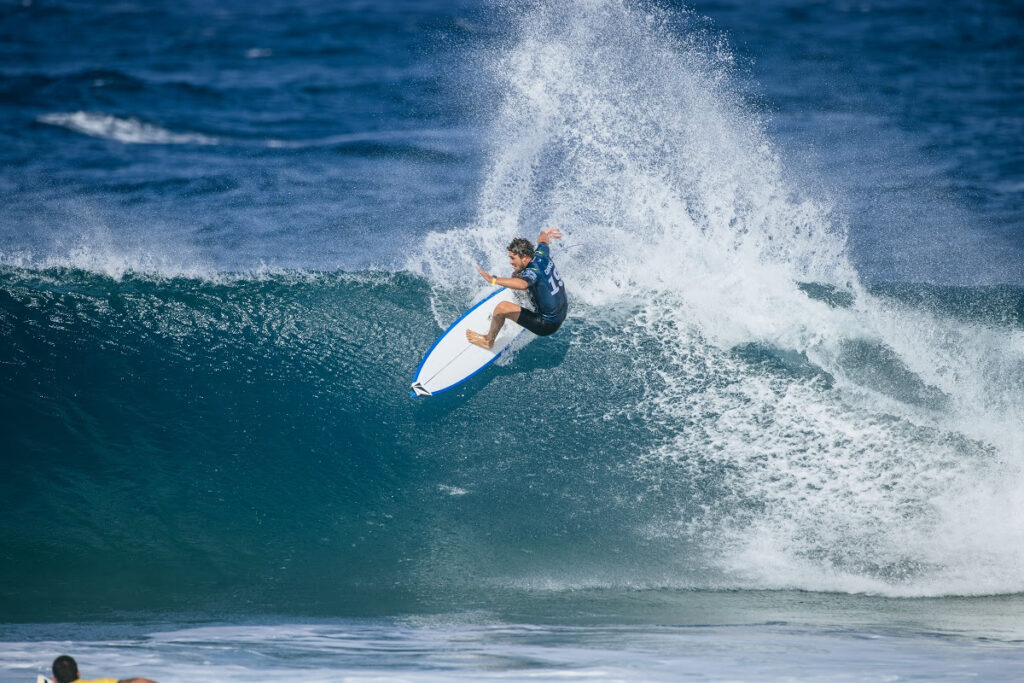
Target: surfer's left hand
{"points": [[549, 234]]}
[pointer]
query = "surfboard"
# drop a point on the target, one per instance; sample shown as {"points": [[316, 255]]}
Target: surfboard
{"points": [[452, 359]]}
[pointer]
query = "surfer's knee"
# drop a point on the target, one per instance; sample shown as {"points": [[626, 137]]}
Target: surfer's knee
{"points": [[506, 309]]}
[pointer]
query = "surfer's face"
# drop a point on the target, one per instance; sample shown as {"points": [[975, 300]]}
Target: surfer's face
{"points": [[518, 262]]}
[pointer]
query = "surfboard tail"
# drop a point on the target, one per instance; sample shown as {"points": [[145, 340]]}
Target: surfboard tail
{"points": [[419, 390]]}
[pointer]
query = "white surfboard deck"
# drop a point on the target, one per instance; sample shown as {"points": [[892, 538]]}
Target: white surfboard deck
{"points": [[452, 359]]}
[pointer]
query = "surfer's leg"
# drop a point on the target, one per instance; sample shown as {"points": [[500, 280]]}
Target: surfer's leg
{"points": [[506, 310]]}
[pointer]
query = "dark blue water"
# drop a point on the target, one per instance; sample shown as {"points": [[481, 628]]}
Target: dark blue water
{"points": [[788, 396], [233, 134]]}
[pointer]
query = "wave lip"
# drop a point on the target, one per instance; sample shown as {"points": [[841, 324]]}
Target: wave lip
{"points": [[127, 130]]}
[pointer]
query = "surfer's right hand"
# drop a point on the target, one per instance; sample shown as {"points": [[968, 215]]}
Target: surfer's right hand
{"points": [[487, 276]]}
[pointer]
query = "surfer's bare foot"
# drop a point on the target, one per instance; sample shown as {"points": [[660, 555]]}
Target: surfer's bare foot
{"points": [[479, 339]]}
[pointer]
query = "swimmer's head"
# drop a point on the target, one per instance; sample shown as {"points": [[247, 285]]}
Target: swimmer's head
{"points": [[65, 669]]}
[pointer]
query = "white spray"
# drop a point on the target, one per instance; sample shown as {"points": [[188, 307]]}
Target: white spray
{"points": [[625, 128]]}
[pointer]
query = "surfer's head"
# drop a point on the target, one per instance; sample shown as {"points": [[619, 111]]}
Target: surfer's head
{"points": [[520, 253], [521, 246], [65, 669]]}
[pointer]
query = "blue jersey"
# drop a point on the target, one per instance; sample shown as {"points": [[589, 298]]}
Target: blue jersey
{"points": [[545, 286]]}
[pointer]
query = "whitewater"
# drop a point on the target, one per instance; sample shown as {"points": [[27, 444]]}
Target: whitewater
{"points": [[774, 439], [893, 467]]}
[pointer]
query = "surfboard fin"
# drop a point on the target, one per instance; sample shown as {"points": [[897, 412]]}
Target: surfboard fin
{"points": [[418, 390]]}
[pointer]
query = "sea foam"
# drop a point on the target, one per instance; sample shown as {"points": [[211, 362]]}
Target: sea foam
{"points": [[127, 130]]}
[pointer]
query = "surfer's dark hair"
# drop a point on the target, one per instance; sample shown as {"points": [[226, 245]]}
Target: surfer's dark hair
{"points": [[65, 669], [521, 246]]}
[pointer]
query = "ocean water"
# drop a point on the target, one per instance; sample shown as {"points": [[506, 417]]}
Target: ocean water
{"points": [[780, 436]]}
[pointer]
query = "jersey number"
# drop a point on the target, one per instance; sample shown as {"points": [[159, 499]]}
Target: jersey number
{"points": [[555, 281]]}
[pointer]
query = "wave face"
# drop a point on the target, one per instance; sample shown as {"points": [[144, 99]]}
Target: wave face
{"points": [[249, 444], [729, 406]]}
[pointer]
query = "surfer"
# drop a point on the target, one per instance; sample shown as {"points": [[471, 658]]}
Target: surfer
{"points": [[535, 271], [65, 670]]}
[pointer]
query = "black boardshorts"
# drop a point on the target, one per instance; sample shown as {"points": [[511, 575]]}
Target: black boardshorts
{"points": [[533, 323]]}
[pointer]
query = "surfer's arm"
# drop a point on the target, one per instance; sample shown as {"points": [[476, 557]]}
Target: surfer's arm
{"points": [[510, 282]]}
